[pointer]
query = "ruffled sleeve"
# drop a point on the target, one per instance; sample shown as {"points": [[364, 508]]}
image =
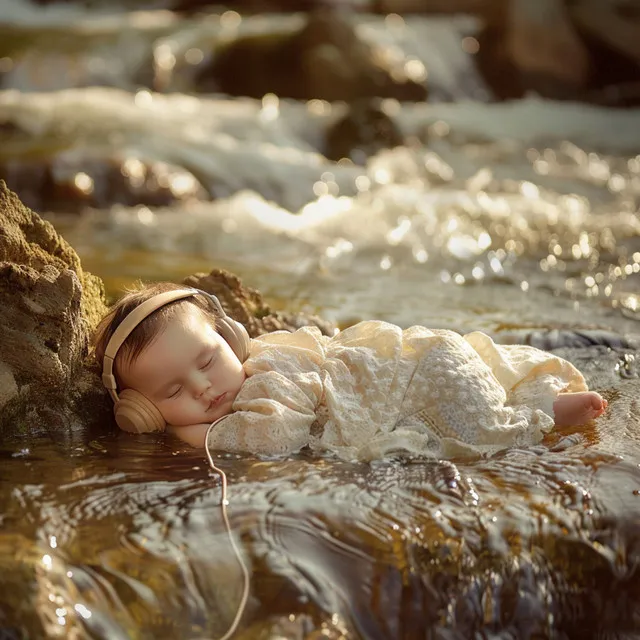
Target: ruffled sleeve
{"points": [[274, 410]]}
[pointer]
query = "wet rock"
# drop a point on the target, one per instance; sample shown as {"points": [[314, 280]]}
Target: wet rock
{"points": [[43, 337], [612, 36], [363, 131], [247, 306], [48, 307], [614, 26], [324, 60], [72, 182], [533, 47], [584, 50], [8, 384], [551, 339], [545, 48], [26, 240]]}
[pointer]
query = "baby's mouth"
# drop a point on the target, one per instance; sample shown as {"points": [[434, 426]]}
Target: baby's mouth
{"points": [[216, 401]]}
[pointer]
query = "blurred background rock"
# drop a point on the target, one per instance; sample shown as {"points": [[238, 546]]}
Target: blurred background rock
{"points": [[353, 52]]}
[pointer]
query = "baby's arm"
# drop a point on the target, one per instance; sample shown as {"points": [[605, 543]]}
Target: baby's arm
{"points": [[273, 415]]}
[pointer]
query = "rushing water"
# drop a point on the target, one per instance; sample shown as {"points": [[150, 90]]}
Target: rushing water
{"points": [[492, 216]]}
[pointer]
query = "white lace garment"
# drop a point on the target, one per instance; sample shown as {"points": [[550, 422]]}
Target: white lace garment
{"points": [[374, 388]]}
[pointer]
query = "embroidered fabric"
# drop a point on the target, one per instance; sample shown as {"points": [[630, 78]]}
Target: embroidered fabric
{"points": [[375, 388]]}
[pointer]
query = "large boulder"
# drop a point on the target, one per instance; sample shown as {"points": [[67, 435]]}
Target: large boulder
{"points": [[583, 50], [28, 240], [49, 306], [611, 31]]}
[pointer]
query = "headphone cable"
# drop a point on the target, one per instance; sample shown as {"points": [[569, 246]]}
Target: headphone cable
{"points": [[225, 517]]}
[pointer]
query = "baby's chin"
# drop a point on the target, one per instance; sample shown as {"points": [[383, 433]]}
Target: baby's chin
{"points": [[203, 418], [206, 417], [223, 409]]}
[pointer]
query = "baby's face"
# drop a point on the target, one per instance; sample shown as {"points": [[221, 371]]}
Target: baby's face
{"points": [[189, 372]]}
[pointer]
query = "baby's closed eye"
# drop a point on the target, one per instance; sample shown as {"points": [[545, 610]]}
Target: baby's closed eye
{"points": [[207, 363], [174, 391]]}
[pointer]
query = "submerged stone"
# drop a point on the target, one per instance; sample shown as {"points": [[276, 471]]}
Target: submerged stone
{"points": [[363, 131], [551, 339]]}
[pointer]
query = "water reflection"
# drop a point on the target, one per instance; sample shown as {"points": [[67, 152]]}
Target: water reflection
{"points": [[123, 539]]}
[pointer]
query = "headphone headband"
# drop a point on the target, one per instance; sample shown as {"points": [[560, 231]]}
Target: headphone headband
{"points": [[236, 336]]}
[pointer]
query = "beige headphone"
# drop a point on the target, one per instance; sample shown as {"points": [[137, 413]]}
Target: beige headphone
{"points": [[133, 411]]}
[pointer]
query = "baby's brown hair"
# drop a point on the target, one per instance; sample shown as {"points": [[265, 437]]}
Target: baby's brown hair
{"points": [[146, 332]]}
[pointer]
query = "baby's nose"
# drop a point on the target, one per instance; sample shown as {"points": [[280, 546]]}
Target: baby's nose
{"points": [[200, 385]]}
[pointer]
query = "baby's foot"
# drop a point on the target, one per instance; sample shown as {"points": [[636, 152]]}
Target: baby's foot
{"points": [[571, 409]]}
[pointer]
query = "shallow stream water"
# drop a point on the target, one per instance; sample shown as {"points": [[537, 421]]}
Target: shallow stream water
{"points": [[493, 216]]}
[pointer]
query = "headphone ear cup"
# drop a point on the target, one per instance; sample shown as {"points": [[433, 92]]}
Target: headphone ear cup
{"points": [[136, 414], [236, 336]]}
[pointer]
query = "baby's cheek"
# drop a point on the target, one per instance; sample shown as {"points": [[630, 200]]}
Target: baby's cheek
{"points": [[165, 414], [171, 412]]}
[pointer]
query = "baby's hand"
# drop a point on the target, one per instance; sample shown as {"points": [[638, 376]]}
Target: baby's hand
{"points": [[193, 434]]}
